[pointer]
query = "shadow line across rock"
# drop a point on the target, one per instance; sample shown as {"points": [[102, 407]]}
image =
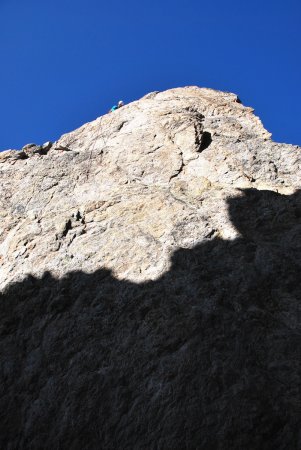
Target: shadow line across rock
{"points": [[206, 357]]}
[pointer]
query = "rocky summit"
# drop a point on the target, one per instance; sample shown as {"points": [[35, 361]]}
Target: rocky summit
{"points": [[150, 282]]}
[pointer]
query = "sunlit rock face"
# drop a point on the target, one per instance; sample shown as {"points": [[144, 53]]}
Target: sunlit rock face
{"points": [[150, 267], [123, 192]]}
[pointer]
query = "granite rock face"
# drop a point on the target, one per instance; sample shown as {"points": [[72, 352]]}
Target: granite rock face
{"points": [[150, 268]]}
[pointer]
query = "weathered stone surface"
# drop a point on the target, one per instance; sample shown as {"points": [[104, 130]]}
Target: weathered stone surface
{"points": [[136, 176], [150, 276]]}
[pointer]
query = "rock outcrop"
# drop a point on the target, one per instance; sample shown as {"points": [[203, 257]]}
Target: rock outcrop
{"points": [[150, 268]]}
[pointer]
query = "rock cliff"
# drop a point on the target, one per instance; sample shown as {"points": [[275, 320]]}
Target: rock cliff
{"points": [[150, 268]]}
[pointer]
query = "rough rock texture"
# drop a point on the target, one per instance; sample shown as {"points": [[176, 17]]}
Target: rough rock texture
{"points": [[150, 267]]}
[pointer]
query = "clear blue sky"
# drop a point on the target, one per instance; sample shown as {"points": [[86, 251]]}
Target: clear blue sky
{"points": [[64, 63]]}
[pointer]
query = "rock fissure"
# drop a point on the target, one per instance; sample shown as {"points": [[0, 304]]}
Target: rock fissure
{"points": [[67, 228], [179, 170]]}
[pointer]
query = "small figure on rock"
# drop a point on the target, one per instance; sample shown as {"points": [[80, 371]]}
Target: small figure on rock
{"points": [[119, 105]]}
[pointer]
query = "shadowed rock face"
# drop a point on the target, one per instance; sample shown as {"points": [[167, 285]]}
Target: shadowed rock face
{"points": [[150, 294], [205, 357]]}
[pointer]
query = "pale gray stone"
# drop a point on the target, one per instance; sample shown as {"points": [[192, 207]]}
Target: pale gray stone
{"points": [[150, 266], [150, 167]]}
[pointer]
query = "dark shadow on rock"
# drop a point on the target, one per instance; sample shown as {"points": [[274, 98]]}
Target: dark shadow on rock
{"points": [[206, 140], [206, 357]]}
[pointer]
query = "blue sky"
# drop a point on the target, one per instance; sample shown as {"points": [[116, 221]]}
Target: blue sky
{"points": [[64, 63]]}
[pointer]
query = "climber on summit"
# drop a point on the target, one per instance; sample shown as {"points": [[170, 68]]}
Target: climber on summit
{"points": [[119, 105]]}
